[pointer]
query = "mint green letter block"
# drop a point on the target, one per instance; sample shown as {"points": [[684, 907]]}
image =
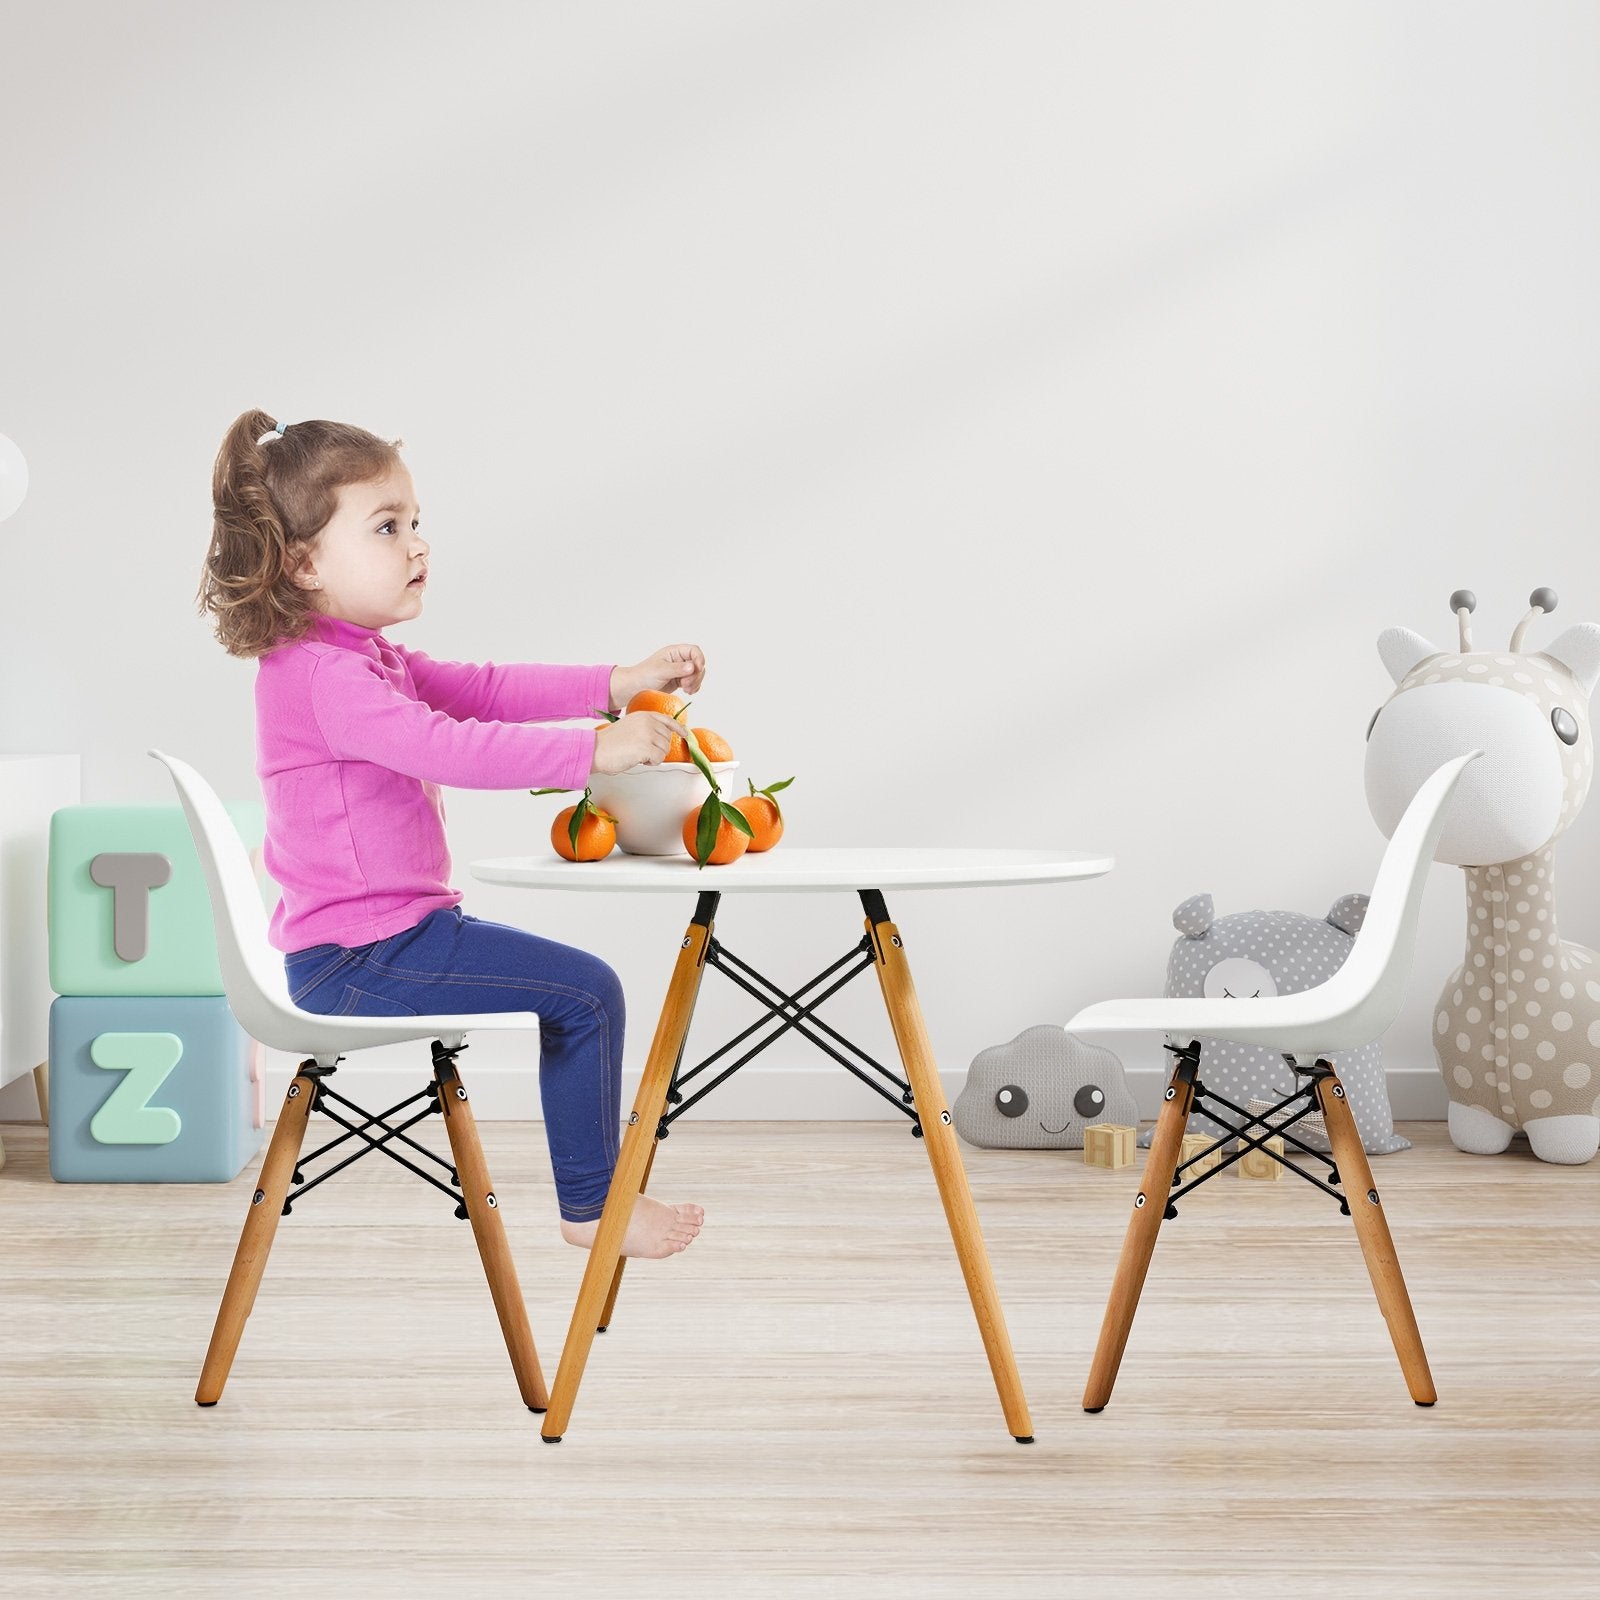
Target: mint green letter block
{"points": [[129, 911]]}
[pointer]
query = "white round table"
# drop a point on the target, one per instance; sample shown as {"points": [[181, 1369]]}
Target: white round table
{"points": [[786, 869], [865, 871]]}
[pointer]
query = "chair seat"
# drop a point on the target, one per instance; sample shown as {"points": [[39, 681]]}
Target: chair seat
{"points": [[305, 1033], [1296, 1024]]}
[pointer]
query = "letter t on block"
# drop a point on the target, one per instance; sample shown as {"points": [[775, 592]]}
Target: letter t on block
{"points": [[130, 876]]}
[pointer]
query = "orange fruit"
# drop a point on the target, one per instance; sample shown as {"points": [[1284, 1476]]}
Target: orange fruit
{"points": [[655, 700], [678, 750], [730, 845], [713, 746], [597, 833], [764, 819]]}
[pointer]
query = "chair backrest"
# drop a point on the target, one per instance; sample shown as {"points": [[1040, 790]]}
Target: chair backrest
{"points": [[252, 973], [1371, 984]]}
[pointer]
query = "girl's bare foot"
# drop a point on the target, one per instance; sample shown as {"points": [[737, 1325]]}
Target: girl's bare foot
{"points": [[654, 1230]]}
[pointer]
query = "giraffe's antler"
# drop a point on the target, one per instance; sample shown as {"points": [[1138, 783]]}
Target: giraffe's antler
{"points": [[1543, 602]]}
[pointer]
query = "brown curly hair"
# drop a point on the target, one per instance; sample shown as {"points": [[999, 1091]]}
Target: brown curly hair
{"points": [[270, 501]]}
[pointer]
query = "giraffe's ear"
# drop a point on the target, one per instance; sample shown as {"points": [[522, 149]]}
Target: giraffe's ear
{"points": [[1579, 649], [1400, 650]]}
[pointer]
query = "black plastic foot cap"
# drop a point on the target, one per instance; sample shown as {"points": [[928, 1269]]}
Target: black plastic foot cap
{"points": [[601, 1328], [1023, 1438], [539, 1410], [1094, 1411], [206, 1403], [551, 1438], [1425, 1403]]}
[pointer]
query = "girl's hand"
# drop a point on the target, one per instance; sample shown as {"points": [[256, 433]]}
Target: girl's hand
{"points": [[641, 736], [672, 667]]}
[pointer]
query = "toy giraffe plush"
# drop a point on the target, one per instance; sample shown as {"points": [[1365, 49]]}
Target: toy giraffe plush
{"points": [[1517, 1029]]}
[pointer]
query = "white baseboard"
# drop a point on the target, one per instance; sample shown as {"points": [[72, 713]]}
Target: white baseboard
{"points": [[802, 1091], [775, 1092]]}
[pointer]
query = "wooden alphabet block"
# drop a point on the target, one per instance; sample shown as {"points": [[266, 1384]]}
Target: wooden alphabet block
{"points": [[1193, 1144], [1108, 1144], [1258, 1164]]}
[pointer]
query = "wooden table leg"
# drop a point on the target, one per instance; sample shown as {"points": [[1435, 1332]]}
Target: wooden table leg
{"points": [[1149, 1207], [1372, 1229], [633, 1163], [260, 1226], [608, 1310], [916, 1054], [488, 1229]]}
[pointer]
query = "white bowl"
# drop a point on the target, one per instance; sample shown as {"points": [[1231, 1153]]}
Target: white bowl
{"points": [[650, 803]]}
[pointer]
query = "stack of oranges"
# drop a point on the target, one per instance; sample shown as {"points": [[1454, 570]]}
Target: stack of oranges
{"points": [[714, 833]]}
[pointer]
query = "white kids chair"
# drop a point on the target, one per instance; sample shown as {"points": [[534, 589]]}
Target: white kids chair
{"points": [[258, 995], [1351, 1009]]}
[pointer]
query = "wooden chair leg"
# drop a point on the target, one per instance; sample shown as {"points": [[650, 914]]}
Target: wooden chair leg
{"points": [[916, 1054], [260, 1226], [1149, 1207], [622, 1261], [41, 1088], [600, 1275], [1372, 1229], [483, 1210]]}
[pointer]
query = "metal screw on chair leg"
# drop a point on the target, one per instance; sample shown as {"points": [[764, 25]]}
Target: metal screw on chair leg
{"points": [[1372, 1195]]}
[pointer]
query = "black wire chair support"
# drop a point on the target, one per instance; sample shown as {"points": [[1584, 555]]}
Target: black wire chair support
{"points": [[369, 1144], [1207, 1103]]}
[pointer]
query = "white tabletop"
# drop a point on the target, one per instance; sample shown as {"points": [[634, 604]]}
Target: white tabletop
{"points": [[797, 868]]}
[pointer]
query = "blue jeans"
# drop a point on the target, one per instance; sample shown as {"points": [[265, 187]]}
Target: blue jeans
{"points": [[451, 963]]}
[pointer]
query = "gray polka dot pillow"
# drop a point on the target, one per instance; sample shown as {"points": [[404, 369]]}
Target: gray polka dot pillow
{"points": [[1265, 953]]}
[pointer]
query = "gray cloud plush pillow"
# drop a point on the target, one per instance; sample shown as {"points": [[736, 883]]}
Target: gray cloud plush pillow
{"points": [[1040, 1091]]}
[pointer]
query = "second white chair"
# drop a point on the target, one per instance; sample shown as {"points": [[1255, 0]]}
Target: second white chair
{"points": [[1350, 1010]]}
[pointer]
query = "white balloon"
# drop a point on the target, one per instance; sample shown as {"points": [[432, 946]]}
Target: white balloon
{"points": [[13, 477]]}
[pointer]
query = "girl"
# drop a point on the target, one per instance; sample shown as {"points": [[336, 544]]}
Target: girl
{"points": [[314, 552]]}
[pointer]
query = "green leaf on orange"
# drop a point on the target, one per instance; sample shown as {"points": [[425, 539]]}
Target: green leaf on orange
{"points": [[575, 821], [737, 820], [769, 791], [698, 757], [707, 829]]}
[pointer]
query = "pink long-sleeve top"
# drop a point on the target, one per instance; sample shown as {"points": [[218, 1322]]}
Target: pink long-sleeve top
{"points": [[355, 737]]}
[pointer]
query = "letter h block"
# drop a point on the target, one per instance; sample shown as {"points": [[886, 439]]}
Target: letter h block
{"points": [[151, 1078]]}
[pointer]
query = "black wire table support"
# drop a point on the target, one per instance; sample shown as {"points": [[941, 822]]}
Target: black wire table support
{"points": [[790, 1013]]}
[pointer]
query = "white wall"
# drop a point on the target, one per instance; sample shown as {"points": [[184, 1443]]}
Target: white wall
{"points": [[1036, 411]]}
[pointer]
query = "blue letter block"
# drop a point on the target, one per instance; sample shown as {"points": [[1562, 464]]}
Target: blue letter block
{"points": [[149, 1089]]}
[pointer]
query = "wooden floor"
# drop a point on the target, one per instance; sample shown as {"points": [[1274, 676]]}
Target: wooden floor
{"points": [[800, 1405]]}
